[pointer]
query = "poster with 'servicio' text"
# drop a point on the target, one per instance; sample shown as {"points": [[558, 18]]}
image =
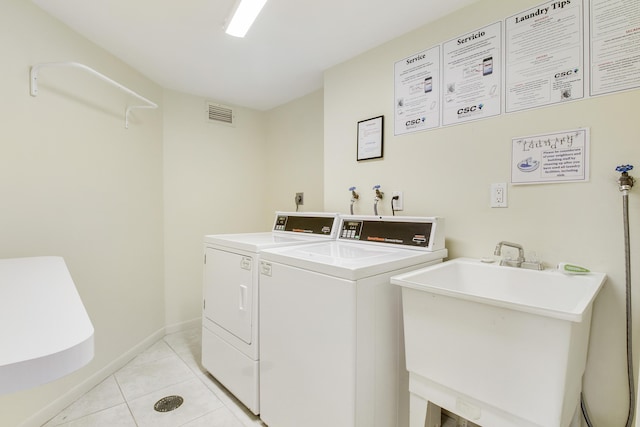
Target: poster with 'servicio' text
{"points": [[472, 76]]}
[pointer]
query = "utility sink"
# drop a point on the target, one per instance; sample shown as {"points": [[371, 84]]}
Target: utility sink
{"points": [[547, 293], [500, 346]]}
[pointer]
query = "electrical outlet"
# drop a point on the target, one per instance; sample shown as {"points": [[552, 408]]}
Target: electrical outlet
{"points": [[499, 195], [299, 199], [398, 204]]}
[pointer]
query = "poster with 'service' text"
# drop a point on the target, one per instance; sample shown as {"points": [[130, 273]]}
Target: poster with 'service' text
{"points": [[417, 89], [544, 55], [615, 45], [472, 76]]}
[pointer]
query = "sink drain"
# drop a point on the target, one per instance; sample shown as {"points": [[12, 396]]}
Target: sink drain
{"points": [[168, 403]]}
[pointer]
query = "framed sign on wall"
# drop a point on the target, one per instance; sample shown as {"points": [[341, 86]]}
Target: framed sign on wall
{"points": [[370, 138]]}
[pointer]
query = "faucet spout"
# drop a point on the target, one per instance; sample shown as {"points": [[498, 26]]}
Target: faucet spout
{"points": [[520, 262], [517, 262]]}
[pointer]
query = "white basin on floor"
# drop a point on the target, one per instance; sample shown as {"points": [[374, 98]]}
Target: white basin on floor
{"points": [[500, 346]]}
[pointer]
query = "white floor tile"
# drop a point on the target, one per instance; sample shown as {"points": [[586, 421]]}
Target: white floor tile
{"points": [[246, 417], [139, 379], [219, 418], [193, 360], [117, 416], [198, 401], [185, 341], [170, 366], [103, 396], [157, 351]]}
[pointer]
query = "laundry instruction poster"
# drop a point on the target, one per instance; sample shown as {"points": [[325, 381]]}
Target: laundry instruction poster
{"points": [[417, 91], [544, 55], [472, 76], [615, 45], [550, 158]]}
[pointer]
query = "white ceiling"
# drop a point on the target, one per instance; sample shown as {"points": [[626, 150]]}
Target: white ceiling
{"points": [[181, 45]]}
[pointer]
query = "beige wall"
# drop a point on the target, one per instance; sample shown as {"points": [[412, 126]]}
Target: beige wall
{"points": [[295, 161], [127, 209], [214, 182], [222, 179], [75, 183], [448, 172]]}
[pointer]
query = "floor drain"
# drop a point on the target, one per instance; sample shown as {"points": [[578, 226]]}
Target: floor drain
{"points": [[168, 403]]}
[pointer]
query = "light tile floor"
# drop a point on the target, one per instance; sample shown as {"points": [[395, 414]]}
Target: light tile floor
{"points": [[170, 367]]}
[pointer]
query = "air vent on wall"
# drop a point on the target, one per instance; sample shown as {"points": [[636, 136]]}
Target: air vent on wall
{"points": [[220, 114]]}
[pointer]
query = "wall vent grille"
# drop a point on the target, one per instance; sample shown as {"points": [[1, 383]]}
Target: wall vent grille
{"points": [[220, 113]]}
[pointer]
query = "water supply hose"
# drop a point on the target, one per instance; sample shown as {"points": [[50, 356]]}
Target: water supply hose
{"points": [[626, 182], [354, 196]]}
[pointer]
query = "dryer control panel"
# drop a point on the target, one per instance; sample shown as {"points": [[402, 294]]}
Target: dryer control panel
{"points": [[319, 224], [410, 231]]}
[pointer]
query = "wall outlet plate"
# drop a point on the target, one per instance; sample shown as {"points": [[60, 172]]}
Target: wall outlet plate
{"points": [[398, 205], [300, 199], [498, 195]]}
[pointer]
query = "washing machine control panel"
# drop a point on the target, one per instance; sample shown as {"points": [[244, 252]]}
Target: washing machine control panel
{"points": [[308, 224], [395, 232], [351, 230]]}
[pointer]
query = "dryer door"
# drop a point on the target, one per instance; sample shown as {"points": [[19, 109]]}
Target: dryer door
{"points": [[228, 291]]}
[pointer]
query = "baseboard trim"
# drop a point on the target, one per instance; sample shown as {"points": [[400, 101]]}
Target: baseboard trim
{"points": [[181, 326]]}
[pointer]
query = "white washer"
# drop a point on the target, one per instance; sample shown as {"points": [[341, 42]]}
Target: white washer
{"points": [[331, 342], [230, 332]]}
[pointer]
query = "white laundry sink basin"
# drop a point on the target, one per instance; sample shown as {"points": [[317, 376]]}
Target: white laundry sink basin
{"points": [[547, 293], [500, 346]]}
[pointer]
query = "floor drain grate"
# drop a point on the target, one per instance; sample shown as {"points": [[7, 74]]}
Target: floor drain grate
{"points": [[168, 403]]}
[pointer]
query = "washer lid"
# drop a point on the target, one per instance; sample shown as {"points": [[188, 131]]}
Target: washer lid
{"points": [[255, 242], [350, 261]]}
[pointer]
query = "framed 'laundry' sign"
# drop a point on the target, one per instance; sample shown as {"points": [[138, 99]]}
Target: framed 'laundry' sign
{"points": [[550, 158]]}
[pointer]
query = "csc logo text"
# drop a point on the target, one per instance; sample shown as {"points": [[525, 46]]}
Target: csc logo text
{"points": [[471, 109], [414, 122], [566, 73]]}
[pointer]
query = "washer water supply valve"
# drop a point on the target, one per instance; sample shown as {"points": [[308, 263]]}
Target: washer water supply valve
{"points": [[625, 181], [354, 196], [379, 196], [299, 199]]}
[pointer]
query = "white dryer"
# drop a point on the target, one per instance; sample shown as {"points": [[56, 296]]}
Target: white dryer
{"points": [[331, 342], [230, 329]]}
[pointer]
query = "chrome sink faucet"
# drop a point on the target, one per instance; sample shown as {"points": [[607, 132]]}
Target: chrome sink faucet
{"points": [[507, 261], [519, 262]]}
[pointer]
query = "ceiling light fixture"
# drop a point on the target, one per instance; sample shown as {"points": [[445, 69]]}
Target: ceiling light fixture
{"points": [[243, 15]]}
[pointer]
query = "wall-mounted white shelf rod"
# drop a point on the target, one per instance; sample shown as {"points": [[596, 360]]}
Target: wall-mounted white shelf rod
{"points": [[34, 84]]}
